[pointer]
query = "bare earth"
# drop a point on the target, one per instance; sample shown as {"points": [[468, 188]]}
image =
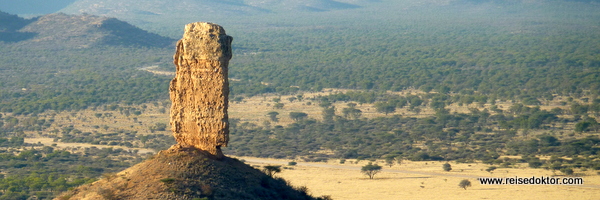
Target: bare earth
{"points": [[425, 180]]}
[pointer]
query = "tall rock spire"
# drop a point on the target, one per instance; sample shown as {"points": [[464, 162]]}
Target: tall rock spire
{"points": [[200, 89]]}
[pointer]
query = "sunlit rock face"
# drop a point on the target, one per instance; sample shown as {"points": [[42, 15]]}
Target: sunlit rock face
{"points": [[199, 91]]}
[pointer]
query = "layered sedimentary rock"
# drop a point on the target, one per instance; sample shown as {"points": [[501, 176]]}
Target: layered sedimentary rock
{"points": [[200, 89]]}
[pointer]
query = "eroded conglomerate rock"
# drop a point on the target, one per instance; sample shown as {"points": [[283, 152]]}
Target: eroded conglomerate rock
{"points": [[200, 89], [189, 170]]}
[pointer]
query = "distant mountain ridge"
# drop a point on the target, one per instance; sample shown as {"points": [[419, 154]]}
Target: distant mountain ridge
{"points": [[77, 31], [159, 7], [152, 7], [10, 22], [163, 17], [9, 26], [247, 7], [307, 5], [238, 7]]}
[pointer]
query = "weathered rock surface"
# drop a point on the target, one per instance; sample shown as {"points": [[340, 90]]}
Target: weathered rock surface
{"points": [[200, 89]]}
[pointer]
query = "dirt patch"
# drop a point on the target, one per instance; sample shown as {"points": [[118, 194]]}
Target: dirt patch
{"points": [[187, 173], [154, 69]]}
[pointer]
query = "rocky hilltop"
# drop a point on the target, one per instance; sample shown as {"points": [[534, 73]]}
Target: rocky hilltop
{"points": [[194, 168], [186, 173]]}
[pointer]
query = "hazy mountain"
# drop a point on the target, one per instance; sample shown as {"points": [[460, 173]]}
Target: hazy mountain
{"points": [[10, 22], [138, 11], [151, 7], [9, 26], [227, 7], [76, 31], [159, 7], [307, 5]]}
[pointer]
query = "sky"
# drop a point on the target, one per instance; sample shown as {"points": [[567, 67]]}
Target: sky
{"points": [[33, 7]]}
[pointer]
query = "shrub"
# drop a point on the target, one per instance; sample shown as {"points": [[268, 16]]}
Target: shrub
{"points": [[167, 180], [464, 184], [271, 170], [447, 167], [535, 164], [567, 171]]}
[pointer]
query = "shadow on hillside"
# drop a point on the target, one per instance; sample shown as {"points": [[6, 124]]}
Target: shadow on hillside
{"points": [[12, 37]]}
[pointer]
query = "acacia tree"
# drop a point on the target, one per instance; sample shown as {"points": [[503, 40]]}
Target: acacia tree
{"points": [[273, 116], [447, 167], [464, 184], [351, 111], [272, 169], [298, 116], [370, 170], [278, 105], [389, 160], [328, 113], [384, 107]]}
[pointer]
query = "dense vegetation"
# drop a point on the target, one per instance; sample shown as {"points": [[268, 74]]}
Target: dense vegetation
{"points": [[36, 80], [44, 171], [497, 64], [443, 51]]}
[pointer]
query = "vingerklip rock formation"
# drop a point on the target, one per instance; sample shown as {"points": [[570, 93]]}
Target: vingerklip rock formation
{"points": [[195, 167], [199, 91]]}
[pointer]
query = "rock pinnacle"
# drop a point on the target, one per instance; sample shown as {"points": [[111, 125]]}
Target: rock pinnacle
{"points": [[199, 91]]}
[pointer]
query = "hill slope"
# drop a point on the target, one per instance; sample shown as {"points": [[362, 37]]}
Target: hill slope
{"points": [[9, 22], [9, 26], [77, 31], [187, 173], [77, 60]]}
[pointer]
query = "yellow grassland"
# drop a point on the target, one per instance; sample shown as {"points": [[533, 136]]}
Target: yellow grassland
{"points": [[426, 180]]}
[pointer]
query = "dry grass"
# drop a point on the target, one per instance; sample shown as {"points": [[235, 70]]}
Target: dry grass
{"points": [[253, 110], [427, 180]]}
